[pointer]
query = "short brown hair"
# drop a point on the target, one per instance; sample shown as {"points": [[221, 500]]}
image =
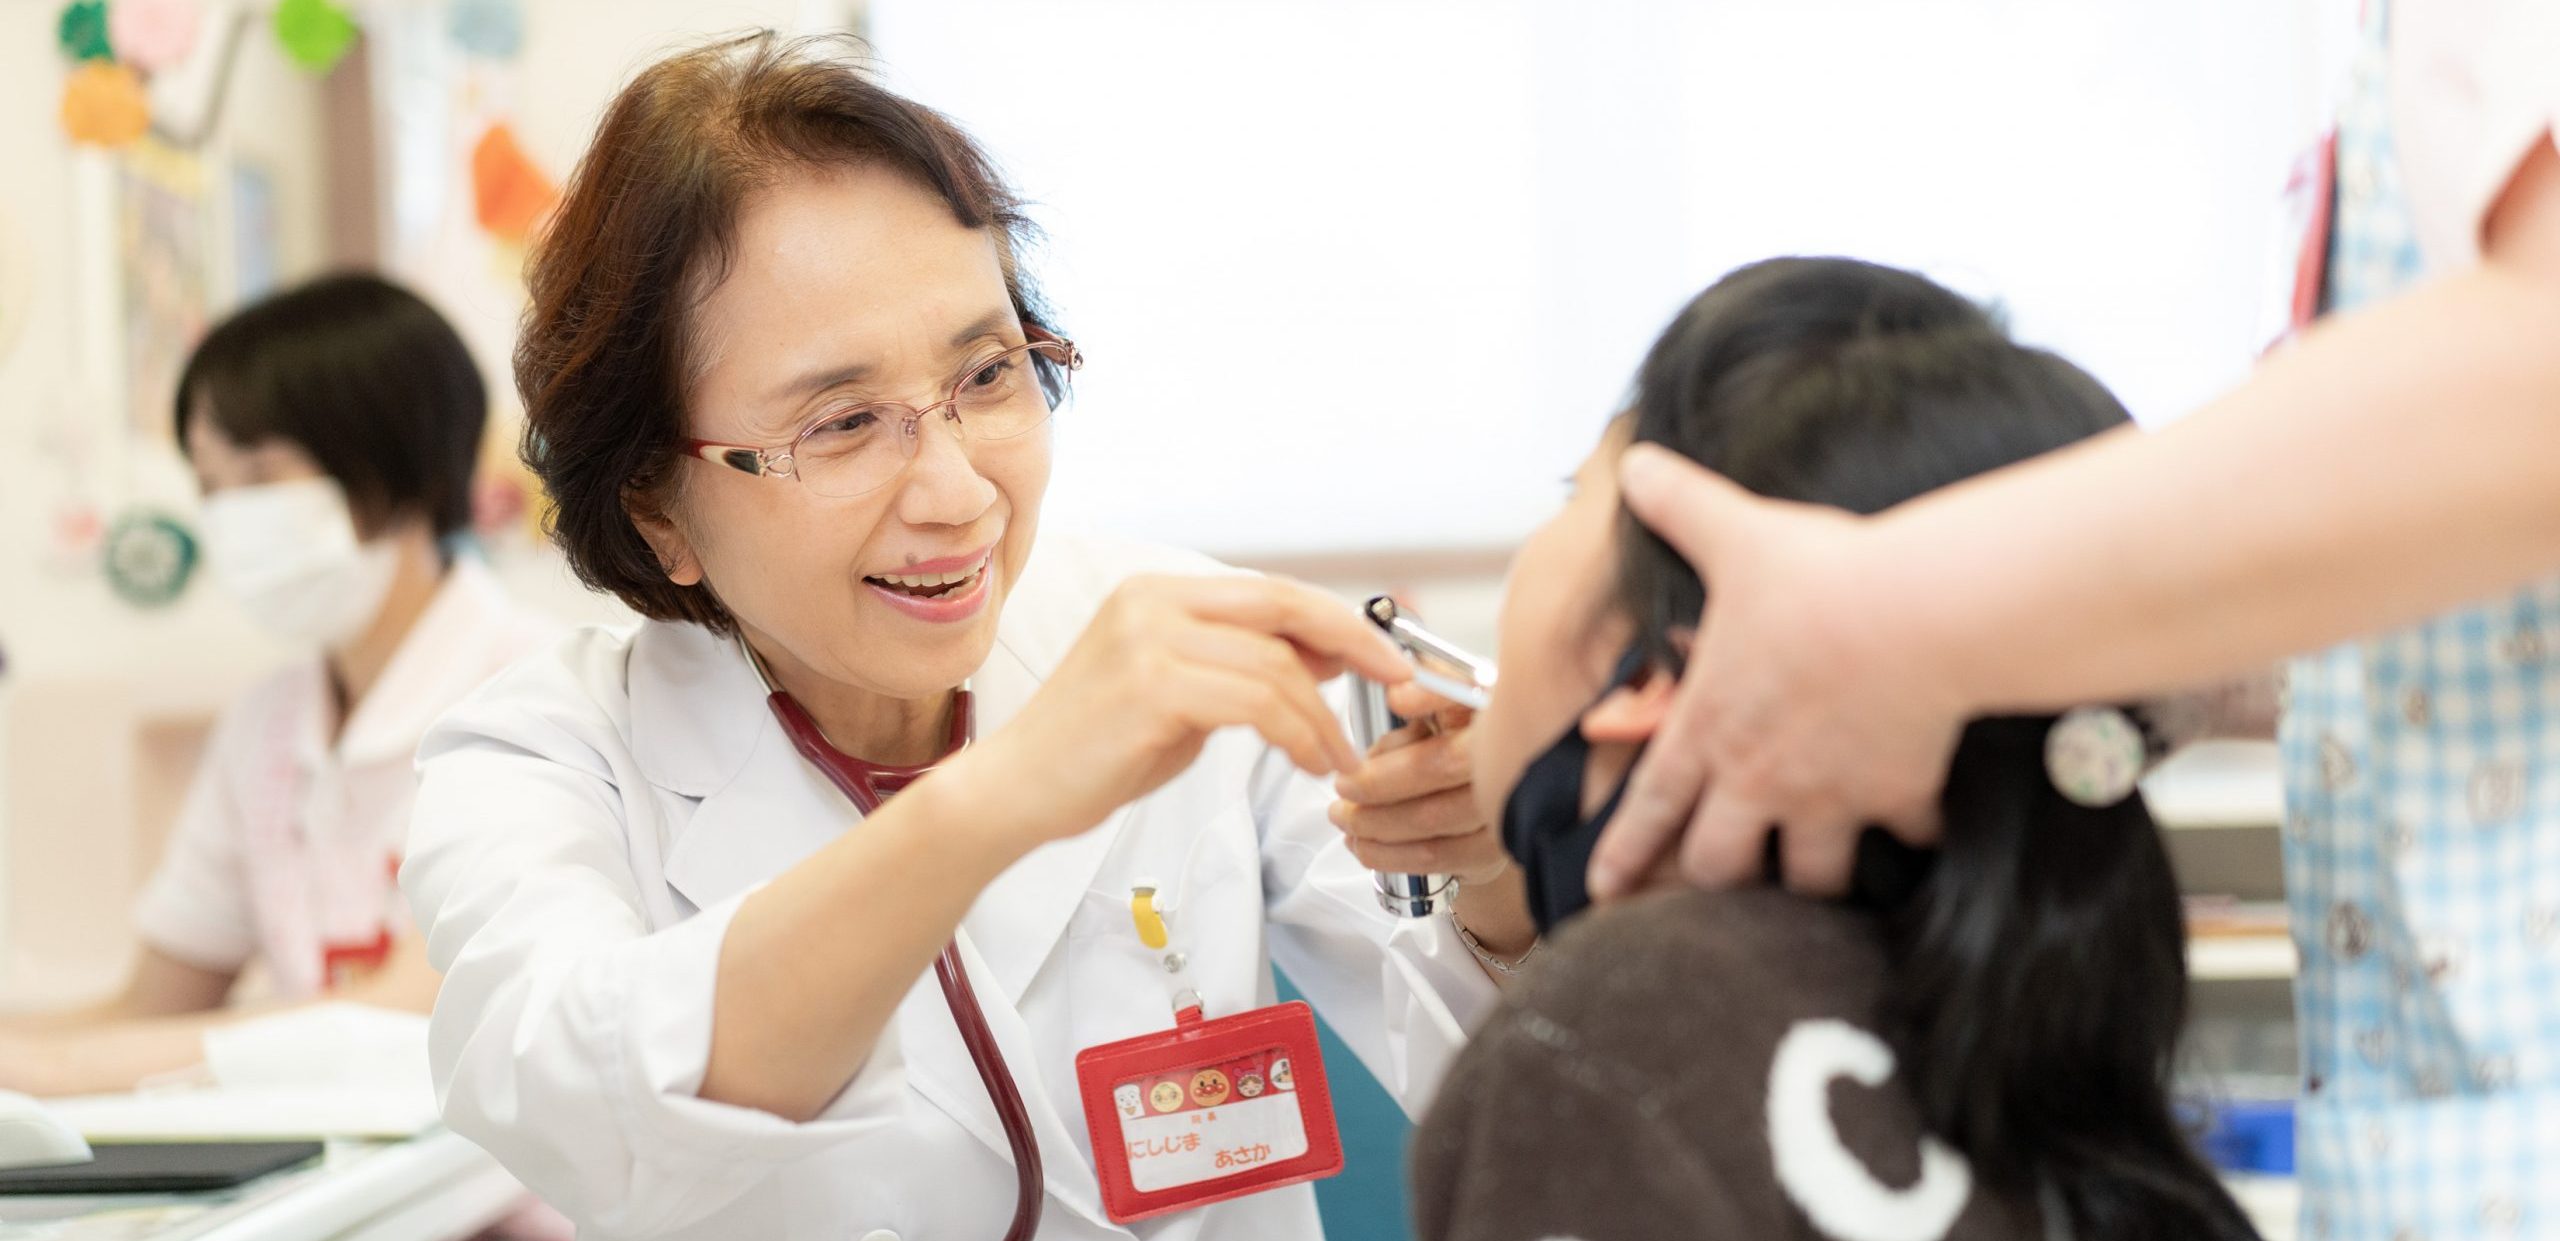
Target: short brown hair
{"points": [[647, 224]]}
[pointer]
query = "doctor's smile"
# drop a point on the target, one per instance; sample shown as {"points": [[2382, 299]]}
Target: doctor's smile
{"points": [[953, 588], [845, 882]]}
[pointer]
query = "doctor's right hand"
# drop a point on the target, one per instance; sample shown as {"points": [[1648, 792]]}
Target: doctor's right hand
{"points": [[1166, 662]]}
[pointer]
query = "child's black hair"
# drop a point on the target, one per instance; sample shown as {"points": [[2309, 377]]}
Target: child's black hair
{"points": [[2039, 972]]}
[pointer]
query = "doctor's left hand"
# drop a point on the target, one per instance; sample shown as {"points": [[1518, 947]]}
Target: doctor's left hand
{"points": [[1410, 807]]}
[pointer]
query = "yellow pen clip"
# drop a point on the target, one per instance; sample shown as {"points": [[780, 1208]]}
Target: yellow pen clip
{"points": [[1142, 910]]}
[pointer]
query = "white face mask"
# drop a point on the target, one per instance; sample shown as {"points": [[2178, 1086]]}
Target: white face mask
{"points": [[288, 552]]}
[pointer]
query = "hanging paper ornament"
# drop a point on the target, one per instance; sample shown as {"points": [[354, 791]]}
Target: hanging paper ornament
{"points": [[314, 32], [154, 35], [491, 28], [509, 194], [149, 557], [83, 31], [103, 105]]}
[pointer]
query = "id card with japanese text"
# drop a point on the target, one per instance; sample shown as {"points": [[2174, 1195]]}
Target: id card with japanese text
{"points": [[1208, 1111]]}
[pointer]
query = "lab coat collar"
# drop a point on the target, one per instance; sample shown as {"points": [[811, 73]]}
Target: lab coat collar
{"points": [[464, 630], [776, 809], [697, 709], [701, 728]]}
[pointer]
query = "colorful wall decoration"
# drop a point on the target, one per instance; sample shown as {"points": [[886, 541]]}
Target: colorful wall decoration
{"points": [[115, 46], [165, 238]]}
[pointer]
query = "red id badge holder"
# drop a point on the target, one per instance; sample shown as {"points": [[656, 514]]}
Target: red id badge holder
{"points": [[1208, 1111]]}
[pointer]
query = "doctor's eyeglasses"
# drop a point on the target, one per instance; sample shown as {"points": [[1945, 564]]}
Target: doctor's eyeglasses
{"points": [[856, 448]]}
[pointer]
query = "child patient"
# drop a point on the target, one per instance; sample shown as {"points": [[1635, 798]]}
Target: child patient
{"points": [[1977, 1042]]}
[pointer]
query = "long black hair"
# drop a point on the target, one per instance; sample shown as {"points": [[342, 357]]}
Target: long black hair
{"points": [[2039, 973]]}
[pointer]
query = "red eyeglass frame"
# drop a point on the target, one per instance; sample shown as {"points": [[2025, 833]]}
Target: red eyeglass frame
{"points": [[780, 460]]}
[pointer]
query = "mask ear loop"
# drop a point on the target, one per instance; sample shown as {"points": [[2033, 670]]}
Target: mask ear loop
{"points": [[1631, 670]]}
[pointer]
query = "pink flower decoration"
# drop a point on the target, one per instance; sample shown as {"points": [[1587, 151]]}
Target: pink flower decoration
{"points": [[154, 35]]}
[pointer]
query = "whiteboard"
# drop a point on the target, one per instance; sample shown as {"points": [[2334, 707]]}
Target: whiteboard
{"points": [[1369, 275]]}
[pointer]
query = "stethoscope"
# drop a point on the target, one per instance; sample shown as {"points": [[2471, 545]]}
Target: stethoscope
{"points": [[866, 785]]}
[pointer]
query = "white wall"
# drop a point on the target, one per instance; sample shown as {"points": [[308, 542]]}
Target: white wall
{"points": [[1371, 273]]}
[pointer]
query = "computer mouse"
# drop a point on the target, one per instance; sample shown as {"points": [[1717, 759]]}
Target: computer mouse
{"points": [[31, 1137]]}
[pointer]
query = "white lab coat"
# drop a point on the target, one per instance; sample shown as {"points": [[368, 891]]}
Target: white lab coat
{"points": [[588, 824]]}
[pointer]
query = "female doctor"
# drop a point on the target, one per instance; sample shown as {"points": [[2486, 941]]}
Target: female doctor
{"points": [[793, 395]]}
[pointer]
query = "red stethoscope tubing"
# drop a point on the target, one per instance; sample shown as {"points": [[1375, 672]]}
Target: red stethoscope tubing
{"points": [[866, 785]]}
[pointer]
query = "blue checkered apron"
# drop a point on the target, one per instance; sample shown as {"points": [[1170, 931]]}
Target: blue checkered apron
{"points": [[2422, 861]]}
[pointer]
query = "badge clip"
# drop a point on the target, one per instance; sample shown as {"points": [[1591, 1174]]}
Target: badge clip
{"points": [[1142, 910]]}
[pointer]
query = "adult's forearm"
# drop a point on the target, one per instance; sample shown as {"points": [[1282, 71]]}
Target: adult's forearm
{"points": [[815, 964], [2390, 465], [105, 1057]]}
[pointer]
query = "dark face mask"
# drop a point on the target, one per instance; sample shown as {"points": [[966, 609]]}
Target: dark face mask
{"points": [[1542, 823], [1544, 829]]}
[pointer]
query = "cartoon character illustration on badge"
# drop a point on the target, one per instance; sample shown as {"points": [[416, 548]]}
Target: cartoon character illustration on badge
{"points": [[1165, 1096], [1127, 1099], [1281, 1076], [1209, 1088], [1250, 1085]]}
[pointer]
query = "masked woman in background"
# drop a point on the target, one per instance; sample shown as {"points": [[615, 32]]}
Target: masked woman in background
{"points": [[333, 429]]}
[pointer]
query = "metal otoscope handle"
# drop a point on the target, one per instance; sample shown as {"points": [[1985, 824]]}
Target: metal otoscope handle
{"points": [[1444, 670]]}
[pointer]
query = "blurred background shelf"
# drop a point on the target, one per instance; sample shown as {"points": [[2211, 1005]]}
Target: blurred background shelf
{"points": [[2218, 785], [2221, 809], [2240, 958]]}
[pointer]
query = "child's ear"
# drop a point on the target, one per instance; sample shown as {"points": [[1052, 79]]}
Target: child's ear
{"points": [[1630, 714]]}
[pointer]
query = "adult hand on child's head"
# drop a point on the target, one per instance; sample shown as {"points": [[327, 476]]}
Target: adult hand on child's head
{"points": [[1807, 705]]}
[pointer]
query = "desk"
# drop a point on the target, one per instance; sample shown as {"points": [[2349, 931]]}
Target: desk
{"points": [[434, 1187]]}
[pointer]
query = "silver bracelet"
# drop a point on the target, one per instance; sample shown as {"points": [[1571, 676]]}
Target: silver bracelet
{"points": [[1487, 959]]}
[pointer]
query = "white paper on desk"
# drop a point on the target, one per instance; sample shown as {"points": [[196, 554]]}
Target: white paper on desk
{"points": [[349, 1045], [329, 1070]]}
